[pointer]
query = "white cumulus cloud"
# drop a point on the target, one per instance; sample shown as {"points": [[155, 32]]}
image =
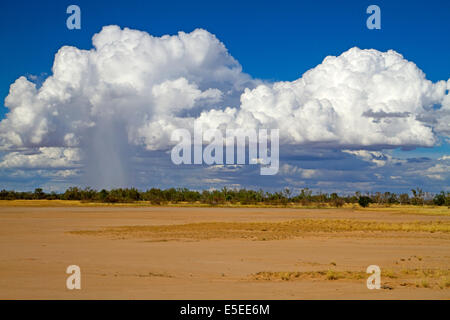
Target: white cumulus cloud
{"points": [[44, 157], [361, 98], [131, 90]]}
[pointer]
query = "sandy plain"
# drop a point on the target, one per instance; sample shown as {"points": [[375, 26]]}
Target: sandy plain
{"points": [[222, 253]]}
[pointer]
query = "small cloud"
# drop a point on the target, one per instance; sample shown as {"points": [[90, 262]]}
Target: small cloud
{"points": [[214, 180]]}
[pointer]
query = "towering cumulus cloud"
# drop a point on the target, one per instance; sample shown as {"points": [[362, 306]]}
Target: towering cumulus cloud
{"points": [[131, 90], [362, 98]]}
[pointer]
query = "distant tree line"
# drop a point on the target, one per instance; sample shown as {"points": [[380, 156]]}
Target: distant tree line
{"points": [[232, 196]]}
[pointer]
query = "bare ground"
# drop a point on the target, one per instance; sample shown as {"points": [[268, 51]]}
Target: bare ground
{"points": [[120, 261]]}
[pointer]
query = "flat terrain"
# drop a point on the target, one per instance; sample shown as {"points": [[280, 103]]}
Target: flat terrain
{"points": [[223, 253]]}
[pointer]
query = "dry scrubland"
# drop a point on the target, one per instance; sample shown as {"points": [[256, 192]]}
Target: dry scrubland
{"points": [[181, 251]]}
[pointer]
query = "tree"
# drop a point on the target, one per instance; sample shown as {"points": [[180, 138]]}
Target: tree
{"points": [[338, 202], [39, 194], [364, 201], [418, 196], [439, 199], [403, 198]]}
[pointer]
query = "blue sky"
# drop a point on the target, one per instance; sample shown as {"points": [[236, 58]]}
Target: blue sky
{"points": [[277, 40], [272, 41]]}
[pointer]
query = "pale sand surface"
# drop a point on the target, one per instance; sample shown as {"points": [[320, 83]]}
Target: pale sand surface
{"points": [[36, 248]]}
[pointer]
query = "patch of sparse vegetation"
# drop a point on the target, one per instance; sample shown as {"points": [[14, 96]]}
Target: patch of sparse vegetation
{"points": [[389, 274], [332, 275], [426, 278], [419, 278], [263, 230], [313, 275], [445, 283]]}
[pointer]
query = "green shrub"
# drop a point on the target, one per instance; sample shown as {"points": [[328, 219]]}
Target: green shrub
{"points": [[364, 201]]}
